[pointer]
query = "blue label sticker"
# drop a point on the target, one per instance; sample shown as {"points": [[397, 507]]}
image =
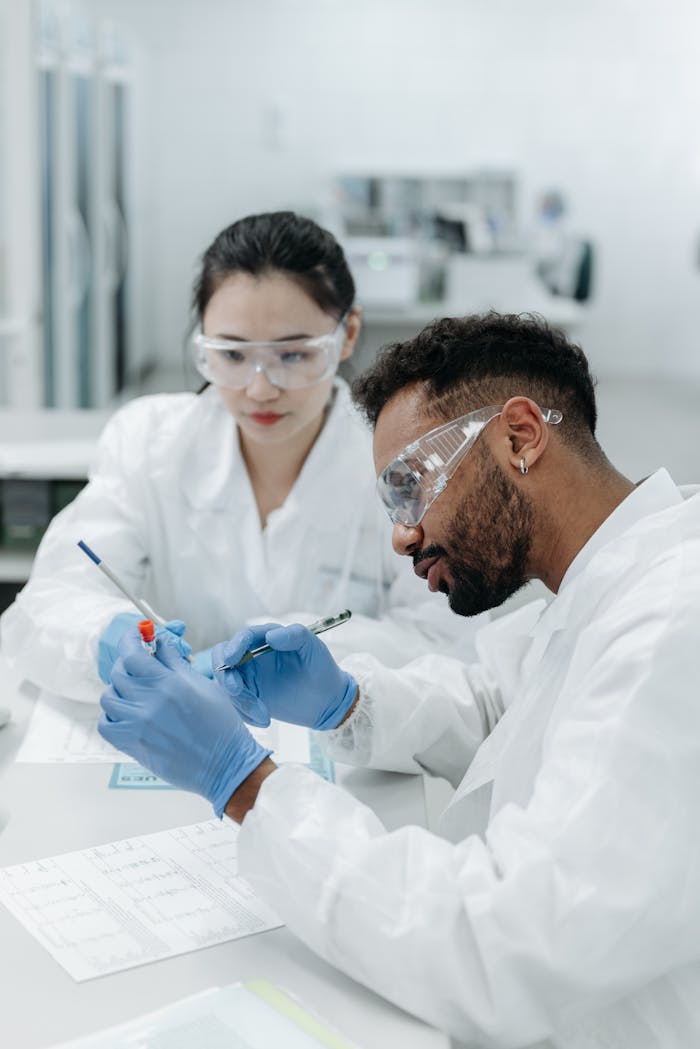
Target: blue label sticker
{"points": [[318, 762], [128, 775]]}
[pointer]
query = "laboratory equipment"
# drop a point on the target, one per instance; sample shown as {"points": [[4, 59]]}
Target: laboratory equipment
{"points": [[386, 269], [148, 636]]}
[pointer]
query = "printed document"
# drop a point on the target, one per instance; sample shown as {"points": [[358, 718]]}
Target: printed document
{"points": [[134, 901]]}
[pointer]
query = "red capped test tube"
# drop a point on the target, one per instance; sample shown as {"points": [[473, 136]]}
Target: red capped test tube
{"points": [[148, 635]]}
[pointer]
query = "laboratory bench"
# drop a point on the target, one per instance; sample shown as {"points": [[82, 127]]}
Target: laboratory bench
{"points": [[50, 809]]}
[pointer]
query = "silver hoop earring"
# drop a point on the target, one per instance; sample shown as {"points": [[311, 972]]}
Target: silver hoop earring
{"points": [[523, 467]]}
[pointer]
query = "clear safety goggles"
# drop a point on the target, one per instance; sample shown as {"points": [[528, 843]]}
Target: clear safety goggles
{"points": [[290, 364], [412, 481]]}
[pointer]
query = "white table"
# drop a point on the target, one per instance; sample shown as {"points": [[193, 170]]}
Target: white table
{"points": [[53, 809]]}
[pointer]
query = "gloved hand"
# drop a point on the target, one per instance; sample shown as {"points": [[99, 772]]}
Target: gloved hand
{"points": [[299, 682], [108, 645], [177, 723], [201, 662]]}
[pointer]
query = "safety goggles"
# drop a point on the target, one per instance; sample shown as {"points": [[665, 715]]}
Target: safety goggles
{"points": [[290, 364], [412, 481]]}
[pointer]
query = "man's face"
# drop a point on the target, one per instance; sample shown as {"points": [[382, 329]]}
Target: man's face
{"points": [[474, 542]]}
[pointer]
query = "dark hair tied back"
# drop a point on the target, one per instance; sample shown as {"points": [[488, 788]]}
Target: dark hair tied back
{"points": [[283, 242]]}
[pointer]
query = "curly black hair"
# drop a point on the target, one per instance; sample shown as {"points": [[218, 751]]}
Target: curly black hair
{"points": [[467, 362]]}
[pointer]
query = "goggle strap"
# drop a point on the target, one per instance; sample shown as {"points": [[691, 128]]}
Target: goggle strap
{"points": [[444, 446]]}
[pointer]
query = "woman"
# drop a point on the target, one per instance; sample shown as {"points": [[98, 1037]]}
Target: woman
{"points": [[251, 501]]}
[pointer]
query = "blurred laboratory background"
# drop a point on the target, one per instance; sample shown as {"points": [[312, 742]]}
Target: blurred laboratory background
{"points": [[522, 155]]}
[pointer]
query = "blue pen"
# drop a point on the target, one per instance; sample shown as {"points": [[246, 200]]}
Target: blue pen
{"points": [[142, 605]]}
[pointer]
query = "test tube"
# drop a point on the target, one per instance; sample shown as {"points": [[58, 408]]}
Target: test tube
{"points": [[148, 635]]}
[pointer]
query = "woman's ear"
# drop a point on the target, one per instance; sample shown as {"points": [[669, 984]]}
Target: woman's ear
{"points": [[353, 324]]}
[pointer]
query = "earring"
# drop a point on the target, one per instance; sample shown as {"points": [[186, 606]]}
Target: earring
{"points": [[523, 467]]}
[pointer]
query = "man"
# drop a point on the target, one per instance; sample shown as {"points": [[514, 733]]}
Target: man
{"points": [[561, 904]]}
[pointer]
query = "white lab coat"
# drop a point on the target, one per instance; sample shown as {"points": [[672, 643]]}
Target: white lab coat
{"points": [[170, 508], [561, 905]]}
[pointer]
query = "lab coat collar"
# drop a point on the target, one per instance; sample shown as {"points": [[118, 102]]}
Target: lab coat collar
{"points": [[337, 458], [656, 493], [223, 478], [207, 485]]}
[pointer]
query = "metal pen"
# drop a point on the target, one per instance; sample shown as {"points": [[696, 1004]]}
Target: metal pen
{"points": [[316, 628]]}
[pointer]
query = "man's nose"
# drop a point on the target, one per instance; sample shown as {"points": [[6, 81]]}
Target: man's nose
{"points": [[406, 539], [260, 388]]}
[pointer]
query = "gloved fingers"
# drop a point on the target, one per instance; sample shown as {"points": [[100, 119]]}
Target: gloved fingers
{"points": [[123, 681], [114, 732], [135, 661], [202, 663], [253, 710], [232, 651], [292, 638], [184, 647], [228, 653], [176, 626], [169, 652], [113, 705]]}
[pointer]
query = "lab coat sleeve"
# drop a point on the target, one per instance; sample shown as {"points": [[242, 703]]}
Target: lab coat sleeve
{"points": [[50, 633], [575, 901], [432, 714], [429, 716]]}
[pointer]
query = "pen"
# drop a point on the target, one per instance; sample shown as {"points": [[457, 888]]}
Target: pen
{"points": [[143, 607], [316, 628]]}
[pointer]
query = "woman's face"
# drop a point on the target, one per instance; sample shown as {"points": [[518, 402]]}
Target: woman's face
{"points": [[268, 309]]}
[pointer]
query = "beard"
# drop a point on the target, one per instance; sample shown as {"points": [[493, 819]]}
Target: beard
{"points": [[491, 538]]}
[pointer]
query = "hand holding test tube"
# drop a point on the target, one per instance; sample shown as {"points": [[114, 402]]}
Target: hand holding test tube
{"points": [[148, 636], [107, 653]]}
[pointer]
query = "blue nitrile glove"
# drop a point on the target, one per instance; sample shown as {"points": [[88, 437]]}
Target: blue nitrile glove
{"points": [[108, 645], [201, 662], [177, 723], [299, 682]]}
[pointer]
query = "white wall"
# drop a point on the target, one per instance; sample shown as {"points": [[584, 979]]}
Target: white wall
{"points": [[600, 98]]}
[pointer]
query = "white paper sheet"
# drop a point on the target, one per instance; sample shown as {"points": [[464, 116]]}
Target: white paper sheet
{"points": [[63, 731], [134, 901]]}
